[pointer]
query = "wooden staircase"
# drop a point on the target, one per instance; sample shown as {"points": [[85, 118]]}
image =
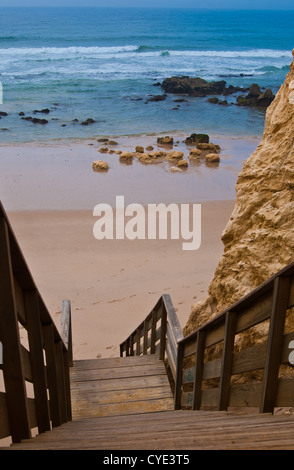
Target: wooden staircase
{"points": [[164, 392]]}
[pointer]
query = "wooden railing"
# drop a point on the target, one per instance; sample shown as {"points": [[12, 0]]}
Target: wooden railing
{"points": [[216, 369], [34, 374], [158, 334]]}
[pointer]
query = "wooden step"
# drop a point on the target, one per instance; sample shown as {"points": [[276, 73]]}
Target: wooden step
{"points": [[171, 430], [119, 386]]}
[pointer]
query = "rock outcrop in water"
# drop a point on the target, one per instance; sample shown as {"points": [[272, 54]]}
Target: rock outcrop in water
{"points": [[259, 237], [256, 97], [198, 87]]}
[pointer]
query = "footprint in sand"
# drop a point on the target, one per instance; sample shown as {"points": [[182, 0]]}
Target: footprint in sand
{"points": [[95, 303], [133, 295], [115, 300]]}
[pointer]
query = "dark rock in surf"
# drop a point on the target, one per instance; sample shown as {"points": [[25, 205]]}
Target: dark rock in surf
{"points": [[256, 97]]}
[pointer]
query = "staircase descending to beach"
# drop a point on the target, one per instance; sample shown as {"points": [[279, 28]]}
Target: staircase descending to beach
{"points": [[164, 392]]}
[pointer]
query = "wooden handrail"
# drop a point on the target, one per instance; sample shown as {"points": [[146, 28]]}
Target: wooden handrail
{"points": [[211, 366], [219, 380], [159, 334], [36, 358]]}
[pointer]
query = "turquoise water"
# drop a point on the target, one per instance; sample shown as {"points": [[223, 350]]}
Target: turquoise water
{"points": [[103, 64]]}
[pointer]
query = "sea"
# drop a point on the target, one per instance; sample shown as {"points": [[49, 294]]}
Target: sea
{"points": [[104, 63]]}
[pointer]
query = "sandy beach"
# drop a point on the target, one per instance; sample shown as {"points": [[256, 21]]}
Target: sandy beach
{"points": [[49, 192], [114, 284]]}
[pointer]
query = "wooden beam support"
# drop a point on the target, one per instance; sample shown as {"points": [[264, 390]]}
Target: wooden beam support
{"points": [[227, 360], [66, 329], [51, 366], [178, 385], [275, 344], [198, 371]]}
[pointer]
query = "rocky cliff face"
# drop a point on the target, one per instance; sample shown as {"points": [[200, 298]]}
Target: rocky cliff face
{"points": [[259, 237]]}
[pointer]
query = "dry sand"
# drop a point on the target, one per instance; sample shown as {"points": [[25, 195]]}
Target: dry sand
{"points": [[114, 284]]}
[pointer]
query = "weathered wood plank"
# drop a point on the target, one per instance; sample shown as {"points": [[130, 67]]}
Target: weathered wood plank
{"points": [[108, 363], [119, 396], [172, 318], [123, 383], [135, 407], [173, 430], [119, 372]]}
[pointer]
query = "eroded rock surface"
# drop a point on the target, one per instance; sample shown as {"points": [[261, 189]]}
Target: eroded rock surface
{"points": [[259, 237]]}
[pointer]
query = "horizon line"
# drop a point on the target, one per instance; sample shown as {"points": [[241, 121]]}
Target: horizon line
{"points": [[150, 7]]}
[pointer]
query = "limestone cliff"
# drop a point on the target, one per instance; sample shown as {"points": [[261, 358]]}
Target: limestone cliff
{"points": [[259, 237]]}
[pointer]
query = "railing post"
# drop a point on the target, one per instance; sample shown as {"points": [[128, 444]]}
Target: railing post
{"points": [[131, 345], [179, 376], [67, 356], [128, 347], [51, 367], [275, 344], [66, 329], [153, 331], [13, 373], [163, 331], [227, 360], [145, 340], [67, 385], [61, 380], [34, 328], [198, 372], [138, 339]]}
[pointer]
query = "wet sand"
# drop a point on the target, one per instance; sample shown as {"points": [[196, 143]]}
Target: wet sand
{"points": [[59, 175]]}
